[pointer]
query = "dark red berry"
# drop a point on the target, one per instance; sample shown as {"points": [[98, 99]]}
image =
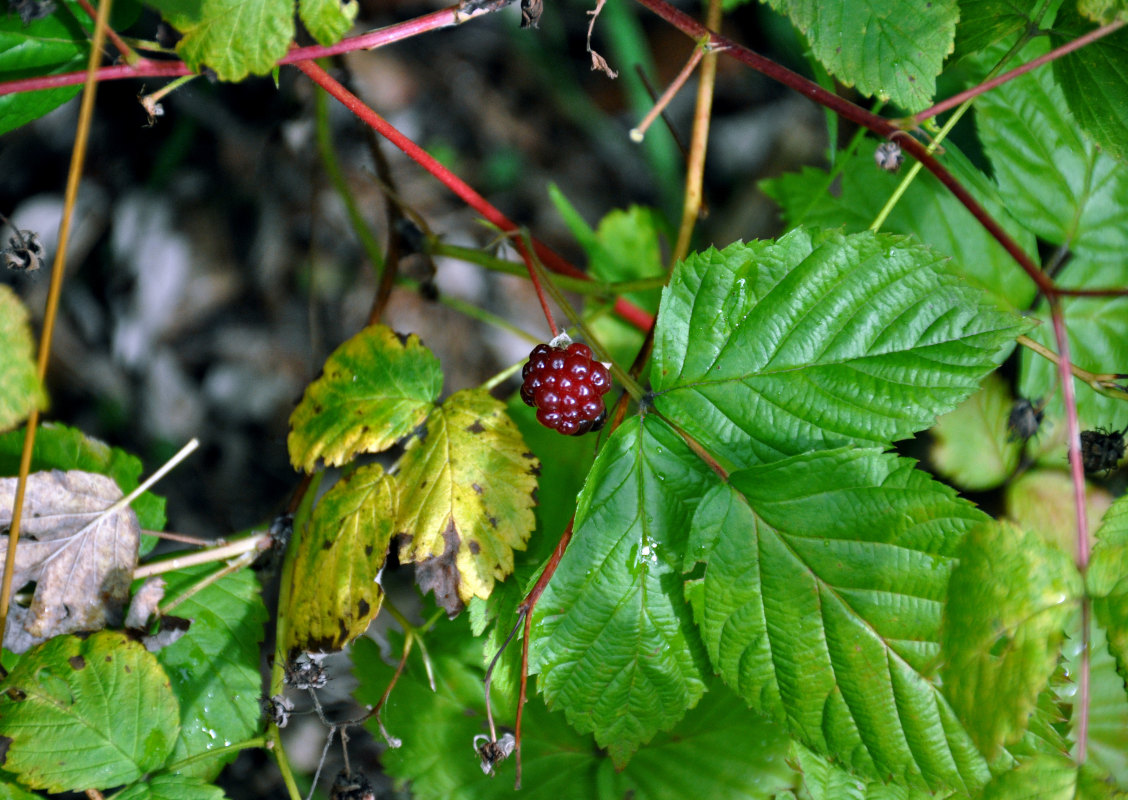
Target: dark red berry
{"points": [[566, 385]]}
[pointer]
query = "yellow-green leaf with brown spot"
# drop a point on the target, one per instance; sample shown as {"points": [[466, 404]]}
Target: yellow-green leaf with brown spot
{"points": [[334, 594], [375, 389], [466, 499]]}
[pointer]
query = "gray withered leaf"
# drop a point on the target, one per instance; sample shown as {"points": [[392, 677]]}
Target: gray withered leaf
{"points": [[81, 563]]}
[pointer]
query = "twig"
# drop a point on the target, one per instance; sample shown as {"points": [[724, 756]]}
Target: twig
{"points": [[844, 108], [665, 116], [1105, 384], [695, 165], [488, 680], [126, 51], [639, 131], [988, 85], [58, 270], [252, 544], [526, 610], [234, 565]]}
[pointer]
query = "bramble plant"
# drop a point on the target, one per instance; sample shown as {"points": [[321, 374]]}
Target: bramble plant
{"points": [[739, 587]]}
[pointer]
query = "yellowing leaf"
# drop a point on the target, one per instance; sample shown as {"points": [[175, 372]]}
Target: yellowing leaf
{"points": [[80, 560], [376, 388], [20, 389], [335, 594], [466, 499]]}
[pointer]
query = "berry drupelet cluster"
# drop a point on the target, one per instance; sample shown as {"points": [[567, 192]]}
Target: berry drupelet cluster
{"points": [[566, 386]]}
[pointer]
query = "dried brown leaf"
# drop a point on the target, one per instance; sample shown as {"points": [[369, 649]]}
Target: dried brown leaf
{"points": [[80, 561]]}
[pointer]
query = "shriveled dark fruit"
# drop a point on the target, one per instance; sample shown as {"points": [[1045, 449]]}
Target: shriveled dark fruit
{"points": [[1101, 450], [566, 386]]}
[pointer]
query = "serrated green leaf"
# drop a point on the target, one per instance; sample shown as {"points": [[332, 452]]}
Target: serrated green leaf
{"points": [[214, 667], [335, 593], [466, 498], [613, 639], [858, 191], [984, 22], [375, 390], [1041, 501], [1094, 80], [232, 37], [821, 606], [87, 713], [768, 349], [1059, 184], [1008, 601], [20, 388], [328, 20], [892, 50], [61, 447], [720, 750], [171, 787], [971, 445], [1049, 778]]}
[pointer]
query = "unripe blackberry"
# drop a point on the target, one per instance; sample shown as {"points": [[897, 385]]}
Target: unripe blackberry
{"points": [[566, 386]]}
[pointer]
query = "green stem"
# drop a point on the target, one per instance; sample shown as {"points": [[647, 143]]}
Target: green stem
{"points": [[568, 283], [337, 178], [473, 311]]}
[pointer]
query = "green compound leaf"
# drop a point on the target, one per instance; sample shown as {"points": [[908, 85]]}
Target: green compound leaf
{"points": [[171, 787], [768, 349], [613, 639], [1094, 80], [20, 389], [984, 22], [893, 50], [466, 499], [232, 37], [88, 713], [334, 593], [821, 606], [1009, 599], [214, 667], [858, 191], [328, 20], [972, 446], [1065, 190], [720, 750], [1050, 778], [60, 447], [375, 390]]}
